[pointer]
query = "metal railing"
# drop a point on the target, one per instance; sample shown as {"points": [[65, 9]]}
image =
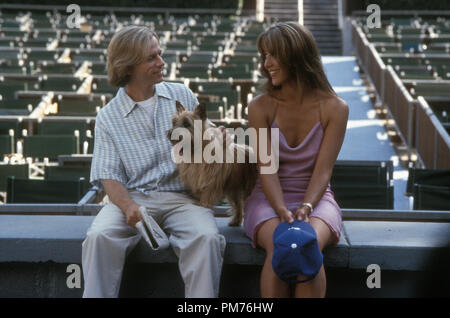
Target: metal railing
{"points": [[419, 128]]}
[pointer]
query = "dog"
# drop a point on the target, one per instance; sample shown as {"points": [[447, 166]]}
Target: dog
{"points": [[210, 182]]}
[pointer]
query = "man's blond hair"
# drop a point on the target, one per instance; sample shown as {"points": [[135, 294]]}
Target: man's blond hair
{"points": [[128, 47]]}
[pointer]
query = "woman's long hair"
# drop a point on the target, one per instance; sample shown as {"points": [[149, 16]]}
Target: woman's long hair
{"points": [[294, 47]]}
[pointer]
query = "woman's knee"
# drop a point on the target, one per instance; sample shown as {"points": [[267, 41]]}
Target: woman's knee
{"points": [[324, 234], [264, 235]]}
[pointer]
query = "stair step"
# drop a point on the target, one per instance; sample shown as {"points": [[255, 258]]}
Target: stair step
{"points": [[323, 22], [320, 27]]}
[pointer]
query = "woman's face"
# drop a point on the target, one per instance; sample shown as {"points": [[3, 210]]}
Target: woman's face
{"points": [[277, 73]]}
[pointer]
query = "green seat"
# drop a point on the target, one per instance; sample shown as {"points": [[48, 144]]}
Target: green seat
{"points": [[56, 127], [6, 145], [88, 56], [218, 89], [20, 190], [383, 38], [193, 72], [99, 68], [6, 125], [363, 184], [212, 110], [8, 89], [101, 85], [41, 146], [68, 107], [429, 89], [7, 170], [362, 172], [177, 45], [36, 43], [402, 60], [202, 59], [416, 74], [429, 197], [236, 72], [361, 196], [57, 68], [246, 48], [432, 177], [69, 173], [60, 84], [13, 69]]}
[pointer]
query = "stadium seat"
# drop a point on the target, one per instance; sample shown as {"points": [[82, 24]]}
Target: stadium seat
{"points": [[60, 84], [429, 197], [20, 190], [362, 172], [56, 68], [431, 177], [16, 170], [101, 85], [7, 124], [69, 107], [6, 145], [360, 196], [69, 173], [45, 146], [363, 184]]}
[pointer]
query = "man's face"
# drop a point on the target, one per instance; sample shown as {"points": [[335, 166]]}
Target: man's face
{"points": [[150, 71]]}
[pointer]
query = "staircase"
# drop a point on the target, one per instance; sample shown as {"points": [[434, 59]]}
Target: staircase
{"points": [[281, 10], [321, 17]]}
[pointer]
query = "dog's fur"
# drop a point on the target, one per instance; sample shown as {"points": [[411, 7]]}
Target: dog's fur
{"points": [[210, 182]]}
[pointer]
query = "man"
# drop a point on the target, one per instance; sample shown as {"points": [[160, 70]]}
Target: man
{"points": [[132, 162]]}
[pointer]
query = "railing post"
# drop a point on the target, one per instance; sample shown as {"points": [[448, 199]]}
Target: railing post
{"points": [[300, 12]]}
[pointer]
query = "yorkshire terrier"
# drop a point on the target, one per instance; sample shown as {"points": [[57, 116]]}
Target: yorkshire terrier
{"points": [[210, 182]]}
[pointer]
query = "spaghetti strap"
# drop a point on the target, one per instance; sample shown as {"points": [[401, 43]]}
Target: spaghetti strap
{"points": [[320, 109]]}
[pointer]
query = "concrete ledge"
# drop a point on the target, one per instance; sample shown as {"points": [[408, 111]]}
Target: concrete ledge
{"points": [[35, 252], [398, 245], [392, 245]]}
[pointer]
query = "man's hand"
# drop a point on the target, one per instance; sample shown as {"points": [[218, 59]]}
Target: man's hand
{"points": [[132, 214], [119, 195]]}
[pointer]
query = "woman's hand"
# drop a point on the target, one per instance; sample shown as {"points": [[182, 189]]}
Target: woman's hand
{"points": [[285, 215], [302, 213]]}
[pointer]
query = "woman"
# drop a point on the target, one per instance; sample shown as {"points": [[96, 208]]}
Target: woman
{"points": [[312, 121]]}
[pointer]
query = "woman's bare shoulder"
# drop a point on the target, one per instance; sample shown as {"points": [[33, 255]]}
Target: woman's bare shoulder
{"points": [[335, 108], [261, 108], [261, 101]]}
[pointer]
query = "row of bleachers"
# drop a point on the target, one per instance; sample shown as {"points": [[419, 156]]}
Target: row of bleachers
{"points": [[356, 185], [53, 82], [407, 58], [410, 34]]}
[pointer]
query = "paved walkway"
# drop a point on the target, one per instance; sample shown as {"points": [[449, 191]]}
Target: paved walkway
{"points": [[366, 137]]}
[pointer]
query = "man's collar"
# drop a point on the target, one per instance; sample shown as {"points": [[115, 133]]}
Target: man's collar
{"points": [[127, 104]]}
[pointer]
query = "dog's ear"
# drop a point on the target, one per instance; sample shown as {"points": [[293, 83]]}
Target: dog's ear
{"points": [[180, 108], [200, 111]]}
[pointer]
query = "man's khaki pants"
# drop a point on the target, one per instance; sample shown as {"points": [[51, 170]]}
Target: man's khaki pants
{"points": [[192, 233]]}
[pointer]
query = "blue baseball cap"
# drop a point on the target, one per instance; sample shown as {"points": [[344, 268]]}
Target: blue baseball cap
{"points": [[296, 251]]}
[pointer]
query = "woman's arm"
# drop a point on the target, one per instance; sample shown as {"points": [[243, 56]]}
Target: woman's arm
{"points": [[257, 119], [336, 116]]}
